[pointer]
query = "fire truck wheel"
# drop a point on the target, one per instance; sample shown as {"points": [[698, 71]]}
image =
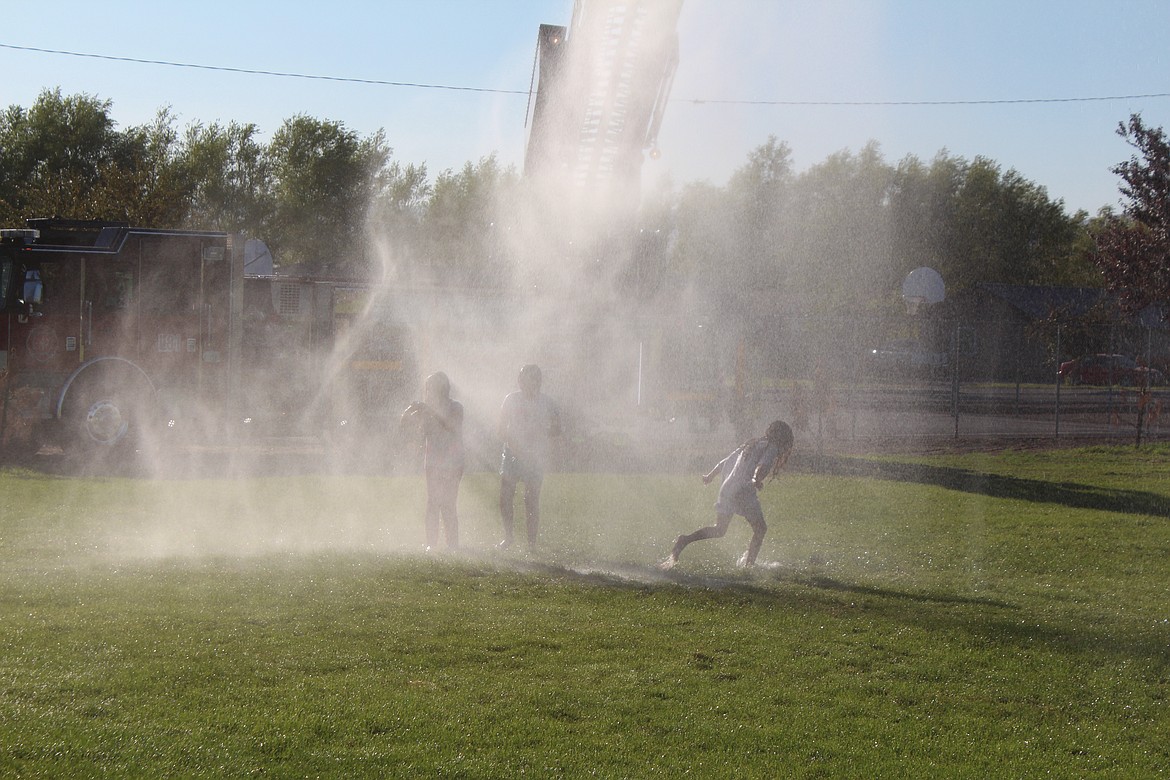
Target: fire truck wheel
{"points": [[107, 416]]}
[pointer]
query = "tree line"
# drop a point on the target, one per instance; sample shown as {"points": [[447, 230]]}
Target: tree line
{"points": [[329, 201], [311, 191], [844, 233]]}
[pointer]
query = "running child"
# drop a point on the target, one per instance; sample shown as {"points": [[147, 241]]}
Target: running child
{"points": [[744, 471]]}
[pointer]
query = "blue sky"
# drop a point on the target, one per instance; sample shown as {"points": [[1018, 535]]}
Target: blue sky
{"points": [[731, 50]]}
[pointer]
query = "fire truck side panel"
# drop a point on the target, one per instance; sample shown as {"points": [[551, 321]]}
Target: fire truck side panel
{"points": [[280, 357], [317, 360], [43, 345], [121, 337], [110, 333]]}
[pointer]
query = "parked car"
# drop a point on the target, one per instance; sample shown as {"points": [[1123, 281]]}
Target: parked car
{"points": [[1102, 369], [905, 355]]}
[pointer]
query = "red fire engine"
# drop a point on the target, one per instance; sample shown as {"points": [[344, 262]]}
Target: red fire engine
{"points": [[112, 335]]}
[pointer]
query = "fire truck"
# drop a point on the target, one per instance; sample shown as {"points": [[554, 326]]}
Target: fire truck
{"points": [[114, 337]]}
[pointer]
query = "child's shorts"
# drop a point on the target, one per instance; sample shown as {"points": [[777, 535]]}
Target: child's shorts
{"points": [[515, 470], [742, 502]]}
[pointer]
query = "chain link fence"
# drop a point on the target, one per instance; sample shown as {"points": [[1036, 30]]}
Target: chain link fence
{"points": [[868, 381]]}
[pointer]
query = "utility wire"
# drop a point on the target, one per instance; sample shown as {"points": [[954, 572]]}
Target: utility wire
{"points": [[250, 71], [922, 102], [694, 101]]}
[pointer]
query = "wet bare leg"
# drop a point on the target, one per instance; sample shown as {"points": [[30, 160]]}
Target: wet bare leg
{"points": [[759, 528], [532, 508], [709, 532], [507, 508]]}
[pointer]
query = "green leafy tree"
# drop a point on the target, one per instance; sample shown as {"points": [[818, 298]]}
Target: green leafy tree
{"points": [[229, 176], [975, 223], [704, 234], [324, 179], [922, 210], [840, 231], [55, 155], [1007, 229], [466, 225], [143, 184], [1081, 270], [729, 241], [65, 157], [396, 221], [757, 195]]}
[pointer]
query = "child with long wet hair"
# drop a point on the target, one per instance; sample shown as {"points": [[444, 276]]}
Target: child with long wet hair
{"points": [[744, 472]]}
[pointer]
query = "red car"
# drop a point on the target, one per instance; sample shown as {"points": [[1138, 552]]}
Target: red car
{"points": [[1109, 369]]}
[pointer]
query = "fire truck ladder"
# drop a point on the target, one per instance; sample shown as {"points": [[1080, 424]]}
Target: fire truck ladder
{"points": [[602, 91]]}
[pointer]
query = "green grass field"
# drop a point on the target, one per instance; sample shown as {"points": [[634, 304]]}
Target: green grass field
{"points": [[969, 616]]}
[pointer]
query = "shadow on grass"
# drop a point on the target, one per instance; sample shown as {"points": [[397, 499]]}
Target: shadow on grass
{"points": [[991, 620], [1005, 623], [755, 582], [828, 583], [191, 463], [1068, 494]]}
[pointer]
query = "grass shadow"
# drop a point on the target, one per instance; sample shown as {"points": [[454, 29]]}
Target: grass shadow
{"points": [[990, 619], [1070, 494], [828, 583]]}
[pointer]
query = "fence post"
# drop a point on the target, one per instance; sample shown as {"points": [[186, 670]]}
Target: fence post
{"points": [[1110, 378], [1146, 394], [955, 375], [1056, 433]]}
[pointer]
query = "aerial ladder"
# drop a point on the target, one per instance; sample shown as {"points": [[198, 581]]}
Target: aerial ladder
{"points": [[600, 90]]}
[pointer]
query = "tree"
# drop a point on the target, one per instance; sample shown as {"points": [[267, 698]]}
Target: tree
{"points": [[1080, 270], [64, 157], [700, 255], [757, 196], [229, 177], [1133, 249], [922, 211], [466, 225], [1007, 229], [840, 249], [143, 182], [325, 177], [973, 222], [55, 155], [396, 221]]}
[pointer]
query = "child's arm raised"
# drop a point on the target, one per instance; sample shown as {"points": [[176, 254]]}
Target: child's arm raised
{"points": [[710, 475]]}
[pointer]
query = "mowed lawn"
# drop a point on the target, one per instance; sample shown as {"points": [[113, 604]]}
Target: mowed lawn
{"points": [[983, 615]]}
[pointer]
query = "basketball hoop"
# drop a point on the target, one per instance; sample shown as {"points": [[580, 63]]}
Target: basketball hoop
{"points": [[921, 288]]}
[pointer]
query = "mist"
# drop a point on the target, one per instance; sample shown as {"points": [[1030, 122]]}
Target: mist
{"points": [[670, 326]]}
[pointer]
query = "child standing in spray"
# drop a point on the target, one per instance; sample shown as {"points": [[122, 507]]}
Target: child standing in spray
{"points": [[529, 421], [438, 421], [743, 473]]}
